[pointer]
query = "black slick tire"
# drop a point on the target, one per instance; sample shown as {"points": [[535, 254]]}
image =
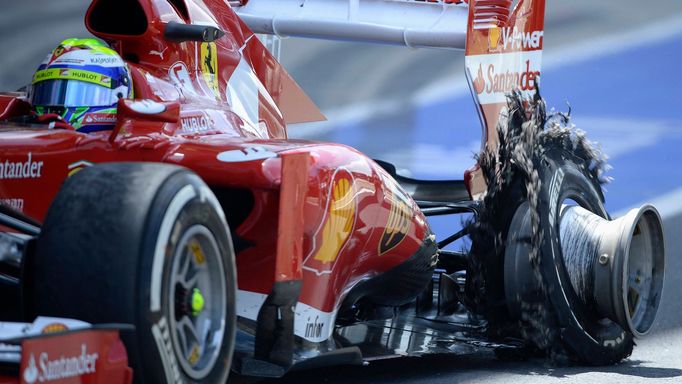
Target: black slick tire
{"points": [[106, 252]]}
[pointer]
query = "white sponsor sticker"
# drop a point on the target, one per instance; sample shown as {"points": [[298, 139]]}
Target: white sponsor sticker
{"points": [[147, 107], [85, 57], [105, 61], [16, 204], [495, 75], [179, 75], [245, 154], [41, 324], [29, 169], [512, 38], [63, 367], [310, 323], [195, 122], [99, 118], [158, 53]]}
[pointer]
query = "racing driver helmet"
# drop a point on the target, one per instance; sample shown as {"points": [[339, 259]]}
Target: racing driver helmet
{"points": [[81, 81]]}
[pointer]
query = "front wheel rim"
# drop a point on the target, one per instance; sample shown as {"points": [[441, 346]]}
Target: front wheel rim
{"points": [[197, 298]]}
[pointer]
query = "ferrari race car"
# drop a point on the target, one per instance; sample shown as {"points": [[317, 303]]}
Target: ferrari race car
{"points": [[228, 246]]}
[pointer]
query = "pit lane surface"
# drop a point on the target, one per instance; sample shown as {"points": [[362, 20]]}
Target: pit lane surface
{"points": [[615, 62]]}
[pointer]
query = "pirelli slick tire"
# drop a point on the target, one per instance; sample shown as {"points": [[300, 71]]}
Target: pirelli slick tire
{"points": [[586, 337], [144, 244]]}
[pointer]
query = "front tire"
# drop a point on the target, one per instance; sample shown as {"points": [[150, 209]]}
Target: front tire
{"points": [[145, 244]]}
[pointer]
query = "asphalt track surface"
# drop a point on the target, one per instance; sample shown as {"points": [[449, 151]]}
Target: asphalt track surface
{"points": [[615, 62]]}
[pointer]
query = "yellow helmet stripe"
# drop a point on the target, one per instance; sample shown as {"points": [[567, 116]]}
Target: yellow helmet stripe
{"points": [[72, 74]]}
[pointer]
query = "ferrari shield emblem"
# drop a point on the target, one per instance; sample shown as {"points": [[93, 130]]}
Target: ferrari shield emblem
{"points": [[209, 66], [58, 52]]}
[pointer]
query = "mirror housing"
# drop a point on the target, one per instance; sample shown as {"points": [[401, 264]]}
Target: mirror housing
{"points": [[149, 110], [178, 33], [145, 110]]}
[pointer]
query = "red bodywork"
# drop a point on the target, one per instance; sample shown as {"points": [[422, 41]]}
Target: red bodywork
{"points": [[323, 212], [86, 356]]}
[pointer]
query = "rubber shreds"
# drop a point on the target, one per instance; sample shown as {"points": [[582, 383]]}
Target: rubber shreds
{"points": [[524, 131]]}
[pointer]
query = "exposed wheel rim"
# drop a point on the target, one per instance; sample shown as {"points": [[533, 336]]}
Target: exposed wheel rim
{"points": [[595, 339], [644, 275], [197, 294], [616, 266]]}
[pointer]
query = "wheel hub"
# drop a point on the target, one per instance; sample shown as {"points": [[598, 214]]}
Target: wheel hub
{"points": [[198, 288]]}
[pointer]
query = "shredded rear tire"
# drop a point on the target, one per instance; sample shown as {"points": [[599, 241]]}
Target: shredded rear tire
{"points": [[519, 170]]}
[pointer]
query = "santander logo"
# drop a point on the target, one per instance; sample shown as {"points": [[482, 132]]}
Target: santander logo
{"points": [[48, 369], [494, 81], [99, 118]]}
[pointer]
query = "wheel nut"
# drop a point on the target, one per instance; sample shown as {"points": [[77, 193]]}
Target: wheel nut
{"points": [[604, 259], [197, 302]]}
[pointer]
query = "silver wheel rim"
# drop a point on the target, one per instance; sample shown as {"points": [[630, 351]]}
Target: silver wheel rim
{"points": [[197, 298], [639, 276], [644, 272]]}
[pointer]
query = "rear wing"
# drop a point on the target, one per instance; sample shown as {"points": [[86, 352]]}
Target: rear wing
{"points": [[503, 46]]}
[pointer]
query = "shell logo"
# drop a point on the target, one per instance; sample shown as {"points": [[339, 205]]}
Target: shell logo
{"points": [[54, 328], [399, 220], [338, 224], [58, 51], [494, 34], [479, 81], [78, 166]]}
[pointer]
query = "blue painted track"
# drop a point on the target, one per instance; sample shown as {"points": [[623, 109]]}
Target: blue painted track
{"points": [[628, 101]]}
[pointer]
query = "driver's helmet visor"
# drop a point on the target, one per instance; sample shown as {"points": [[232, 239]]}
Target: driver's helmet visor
{"points": [[72, 93]]}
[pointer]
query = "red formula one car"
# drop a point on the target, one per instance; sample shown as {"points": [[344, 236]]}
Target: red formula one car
{"points": [[192, 217]]}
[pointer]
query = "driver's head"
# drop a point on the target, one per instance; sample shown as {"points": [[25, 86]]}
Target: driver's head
{"points": [[81, 80]]}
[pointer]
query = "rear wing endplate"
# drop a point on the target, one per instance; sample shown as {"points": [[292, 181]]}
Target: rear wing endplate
{"points": [[503, 54]]}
